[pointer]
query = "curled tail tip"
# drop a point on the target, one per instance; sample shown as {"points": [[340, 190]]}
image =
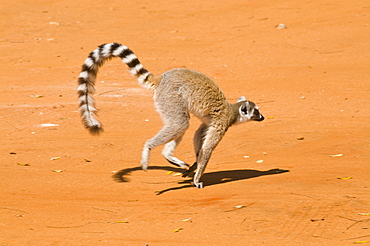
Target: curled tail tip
{"points": [[95, 130], [94, 126]]}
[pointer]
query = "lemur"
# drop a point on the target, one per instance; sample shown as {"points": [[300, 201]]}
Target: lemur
{"points": [[177, 93]]}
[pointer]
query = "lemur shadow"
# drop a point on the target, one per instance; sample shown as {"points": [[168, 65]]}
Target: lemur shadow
{"points": [[208, 179], [120, 175]]}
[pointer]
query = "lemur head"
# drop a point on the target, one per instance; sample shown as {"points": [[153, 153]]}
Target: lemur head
{"points": [[249, 111]]}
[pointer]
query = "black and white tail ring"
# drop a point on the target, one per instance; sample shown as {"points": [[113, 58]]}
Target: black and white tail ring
{"points": [[89, 72]]}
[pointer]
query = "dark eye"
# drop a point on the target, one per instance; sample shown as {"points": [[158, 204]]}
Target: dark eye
{"points": [[244, 109]]}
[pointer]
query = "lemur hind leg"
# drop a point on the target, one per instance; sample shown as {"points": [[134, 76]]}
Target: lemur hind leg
{"points": [[173, 130], [168, 150]]}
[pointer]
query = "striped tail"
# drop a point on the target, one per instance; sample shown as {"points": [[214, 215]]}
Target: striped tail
{"points": [[88, 75]]}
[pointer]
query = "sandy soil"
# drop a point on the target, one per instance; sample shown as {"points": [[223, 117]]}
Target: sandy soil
{"points": [[61, 186]]}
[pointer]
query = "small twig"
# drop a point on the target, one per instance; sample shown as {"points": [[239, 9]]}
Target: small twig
{"points": [[356, 221], [303, 195], [357, 237], [347, 218], [231, 210], [111, 91], [243, 220], [105, 210], [17, 128], [360, 221], [77, 226], [17, 210]]}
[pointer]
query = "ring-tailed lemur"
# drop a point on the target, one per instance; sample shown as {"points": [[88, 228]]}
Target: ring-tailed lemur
{"points": [[177, 93]]}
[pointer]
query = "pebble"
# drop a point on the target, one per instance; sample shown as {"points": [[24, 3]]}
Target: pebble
{"points": [[281, 26]]}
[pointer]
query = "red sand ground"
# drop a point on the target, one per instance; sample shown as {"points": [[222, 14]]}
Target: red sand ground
{"points": [[311, 81]]}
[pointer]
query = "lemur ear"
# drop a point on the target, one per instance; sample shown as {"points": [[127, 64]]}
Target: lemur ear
{"points": [[244, 108], [244, 115], [242, 98]]}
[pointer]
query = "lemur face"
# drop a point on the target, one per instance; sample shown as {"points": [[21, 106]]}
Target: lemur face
{"points": [[249, 111]]}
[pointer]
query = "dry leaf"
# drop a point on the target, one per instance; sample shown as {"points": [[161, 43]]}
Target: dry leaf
{"points": [[54, 158], [48, 125], [177, 174], [177, 230], [337, 155], [54, 23], [23, 164], [358, 242], [259, 161], [367, 214], [57, 171], [281, 26], [169, 172], [239, 206], [344, 177]]}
